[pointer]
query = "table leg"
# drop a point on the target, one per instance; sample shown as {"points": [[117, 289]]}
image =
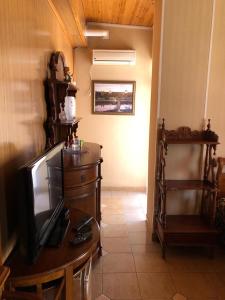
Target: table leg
{"points": [[69, 283]]}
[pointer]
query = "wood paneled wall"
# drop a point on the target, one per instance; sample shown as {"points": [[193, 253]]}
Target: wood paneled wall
{"points": [[154, 108], [191, 83], [185, 55], [216, 89], [29, 32]]}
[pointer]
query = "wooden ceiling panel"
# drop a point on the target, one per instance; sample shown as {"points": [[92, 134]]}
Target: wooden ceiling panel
{"points": [[71, 17], [126, 12]]}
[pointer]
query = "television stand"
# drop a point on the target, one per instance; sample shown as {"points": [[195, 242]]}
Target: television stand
{"points": [[54, 266], [58, 233]]}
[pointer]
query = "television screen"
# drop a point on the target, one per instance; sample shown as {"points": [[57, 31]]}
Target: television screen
{"points": [[47, 188], [42, 198]]}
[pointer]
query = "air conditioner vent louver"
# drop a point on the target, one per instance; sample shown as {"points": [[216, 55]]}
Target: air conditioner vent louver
{"points": [[114, 57]]}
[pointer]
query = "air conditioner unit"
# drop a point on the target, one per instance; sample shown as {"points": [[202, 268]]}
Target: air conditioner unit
{"points": [[114, 57]]}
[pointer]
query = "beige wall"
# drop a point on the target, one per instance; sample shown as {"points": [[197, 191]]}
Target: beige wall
{"points": [[154, 108], [124, 138], [185, 54], [216, 88], [191, 83], [29, 32]]}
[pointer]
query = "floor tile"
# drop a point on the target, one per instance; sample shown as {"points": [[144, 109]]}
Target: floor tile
{"points": [[134, 216], [137, 226], [96, 287], [146, 248], [110, 202], [113, 219], [150, 262], [156, 286], [97, 265], [112, 210], [132, 203], [116, 245], [187, 273], [115, 230], [106, 194], [190, 261], [121, 286], [195, 285], [139, 238], [137, 196], [104, 252], [118, 263], [119, 194]]}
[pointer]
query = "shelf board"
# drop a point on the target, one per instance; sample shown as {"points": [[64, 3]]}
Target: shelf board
{"points": [[174, 185], [187, 224], [67, 123], [191, 142]]}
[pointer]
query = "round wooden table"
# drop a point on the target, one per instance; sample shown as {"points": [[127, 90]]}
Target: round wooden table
{"points": [[54, 263]]}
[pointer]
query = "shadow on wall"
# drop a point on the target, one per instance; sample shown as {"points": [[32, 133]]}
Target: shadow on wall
{"points": [[9, 194]]}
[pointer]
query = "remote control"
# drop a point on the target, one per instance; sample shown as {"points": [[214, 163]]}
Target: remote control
{"points": [[80, 238], [83, 223], [84, 229]]}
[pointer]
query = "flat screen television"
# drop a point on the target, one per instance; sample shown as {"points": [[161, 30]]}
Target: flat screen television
{"points": [[41, 200]]}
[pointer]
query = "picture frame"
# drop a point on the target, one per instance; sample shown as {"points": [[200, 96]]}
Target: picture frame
{"points": [[113, 97]]}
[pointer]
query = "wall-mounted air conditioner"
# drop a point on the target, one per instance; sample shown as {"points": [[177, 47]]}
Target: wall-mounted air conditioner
{"points": [[114, 57]]}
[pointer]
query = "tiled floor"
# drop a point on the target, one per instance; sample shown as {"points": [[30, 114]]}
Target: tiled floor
{"points": [[131, 267]]}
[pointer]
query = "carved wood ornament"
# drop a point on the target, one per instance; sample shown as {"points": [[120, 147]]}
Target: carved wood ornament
{"points": [[166, 232], [57, 86]]}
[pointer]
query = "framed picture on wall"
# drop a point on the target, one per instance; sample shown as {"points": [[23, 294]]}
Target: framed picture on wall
{"points": [[113, 97]]}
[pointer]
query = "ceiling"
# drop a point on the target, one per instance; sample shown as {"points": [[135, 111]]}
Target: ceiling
{"points": [[73, 15], [125, 12]]}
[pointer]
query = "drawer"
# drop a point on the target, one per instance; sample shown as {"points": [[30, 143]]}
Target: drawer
{"points": [[83, 198], [79, 177], [80, 192]]}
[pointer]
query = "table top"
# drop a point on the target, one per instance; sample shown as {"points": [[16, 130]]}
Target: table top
{"points": [[89, 155], [58, 258]]}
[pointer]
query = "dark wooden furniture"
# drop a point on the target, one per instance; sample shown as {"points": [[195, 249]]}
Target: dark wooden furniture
{"points": [[57, 86], [55, 266], [220, 213], [186, 230], [4, 274], [82, 169], [17, 295], [82, 180]]}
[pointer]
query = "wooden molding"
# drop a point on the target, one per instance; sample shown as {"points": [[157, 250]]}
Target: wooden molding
{"points": [[79, 17], [71, 18]]}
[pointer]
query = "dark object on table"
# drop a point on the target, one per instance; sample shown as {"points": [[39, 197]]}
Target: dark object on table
{"points": [[81, 238], [85, 221]]}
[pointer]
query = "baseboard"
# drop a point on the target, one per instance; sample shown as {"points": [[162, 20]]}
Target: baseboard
{"points": [[124, 189]]}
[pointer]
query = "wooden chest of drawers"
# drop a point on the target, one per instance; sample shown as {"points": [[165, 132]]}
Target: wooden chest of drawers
{"points": [[82, 180]]}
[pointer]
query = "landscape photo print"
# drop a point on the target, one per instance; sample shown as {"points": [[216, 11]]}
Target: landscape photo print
{"points": [[113, 97]]}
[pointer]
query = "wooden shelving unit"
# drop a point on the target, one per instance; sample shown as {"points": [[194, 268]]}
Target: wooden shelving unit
{"points": [[57, 86], [186, 230]]}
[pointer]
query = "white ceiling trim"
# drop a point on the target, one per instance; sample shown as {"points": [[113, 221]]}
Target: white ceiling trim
{"points": [[120, 25]]}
